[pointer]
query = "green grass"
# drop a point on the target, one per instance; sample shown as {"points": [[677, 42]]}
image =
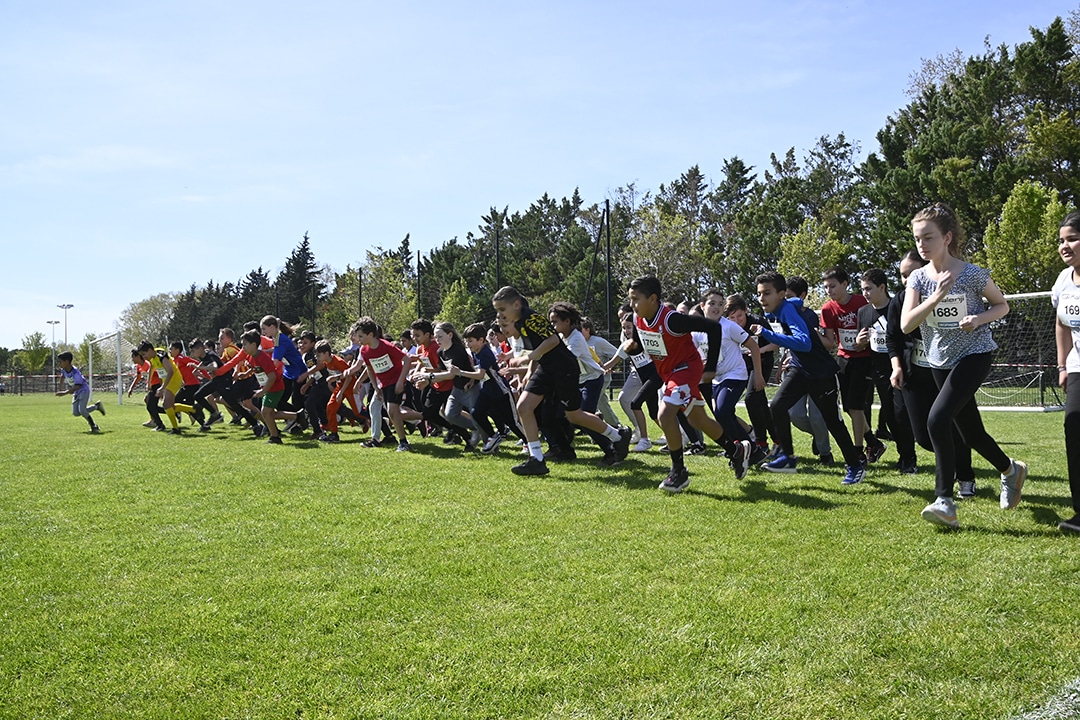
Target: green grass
{"points": [[215, 576]]}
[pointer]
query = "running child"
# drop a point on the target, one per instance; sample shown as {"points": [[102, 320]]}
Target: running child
{"points": [[811, 371], [945, 301], [666, 336], [76, 386], [1066, 299], [552, 374]]}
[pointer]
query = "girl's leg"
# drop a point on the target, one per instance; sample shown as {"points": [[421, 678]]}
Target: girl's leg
{"points": [[1072, 437]]}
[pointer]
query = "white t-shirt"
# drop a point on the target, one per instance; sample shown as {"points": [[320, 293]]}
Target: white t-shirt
{"points": [[1066, 299], [731, 365]]}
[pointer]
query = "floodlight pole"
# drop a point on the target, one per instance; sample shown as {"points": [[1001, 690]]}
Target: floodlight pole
{"points": [[54, 323], [65, 307]]}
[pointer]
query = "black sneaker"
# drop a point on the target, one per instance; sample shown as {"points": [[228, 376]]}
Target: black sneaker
{"points": [[609, 460], [274, 440], [330, 437], [215, 418], [204, 428], [967, 489], [827, 460], [237, 421], [531, 466], [758, 454], [175, 431], [907, 466], [100, 408], [1072, 525], [697, 448], [740, 460], [621, 446], [676, 481], [260, 431], [560, 456], [874, 450]]}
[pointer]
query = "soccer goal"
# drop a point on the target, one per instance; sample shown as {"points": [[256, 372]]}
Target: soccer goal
{"points": [[109, 364], [1024, 371]]}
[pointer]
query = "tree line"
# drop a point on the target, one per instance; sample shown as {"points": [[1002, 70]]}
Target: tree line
{"points": [[996, 135]]}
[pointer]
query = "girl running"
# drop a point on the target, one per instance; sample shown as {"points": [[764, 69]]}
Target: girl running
{"points": [[945, 301], [1066, 299]]}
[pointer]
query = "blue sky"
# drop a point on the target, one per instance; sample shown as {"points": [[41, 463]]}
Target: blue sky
{"points": [[145, 147]]}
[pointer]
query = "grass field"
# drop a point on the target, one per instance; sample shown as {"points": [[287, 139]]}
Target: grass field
{"points": [[213, 576]]}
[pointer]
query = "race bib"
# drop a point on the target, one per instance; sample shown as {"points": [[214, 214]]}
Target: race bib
{"points": [[261, 377], [383, 363], [949, 312], [653, 343], [162, 373], [847, 338], [918, 355], [425, 361], [640, 360], [877, 338], [1068, 309]]}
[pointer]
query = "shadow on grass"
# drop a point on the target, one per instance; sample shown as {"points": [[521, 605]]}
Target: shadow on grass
{"points": [[754, 491]]}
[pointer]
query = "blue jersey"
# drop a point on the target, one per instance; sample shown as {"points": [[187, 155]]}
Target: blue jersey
{"points": [[74, 380], [789, 330]]}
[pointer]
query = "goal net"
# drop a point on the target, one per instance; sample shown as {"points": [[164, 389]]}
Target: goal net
{"points": [[1024, 370]]}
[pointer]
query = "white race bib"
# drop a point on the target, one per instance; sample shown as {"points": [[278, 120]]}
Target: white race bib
{"points": [[1068, 309], [261, 377], [640, 360], [877, 338], [653, 343], [847, 338], [425, 361], [383, 363], [162, 373], [918, 355], [949, 312]]}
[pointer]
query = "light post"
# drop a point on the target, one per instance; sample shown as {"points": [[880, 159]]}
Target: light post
{"points": [[65, 307], [54, 323]]}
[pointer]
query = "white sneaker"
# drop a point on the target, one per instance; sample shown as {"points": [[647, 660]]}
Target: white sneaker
{"points": [[636, 436], [643, 445], [941, 512], [1012, 484]]}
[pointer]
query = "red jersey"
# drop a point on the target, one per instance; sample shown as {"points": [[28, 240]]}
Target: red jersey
{"points": [[843, 320], [429, 360], [384, 361], [263, 365], [143, 368], [670, 351], [187, 367]]}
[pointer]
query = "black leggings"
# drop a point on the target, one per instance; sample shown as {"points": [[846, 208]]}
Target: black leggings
{"points": [[1072, 437], [824, 392], [918, 395], [955, 405]]}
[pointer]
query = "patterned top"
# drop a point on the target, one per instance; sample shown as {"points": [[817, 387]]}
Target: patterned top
{"points": [[944, 342]]}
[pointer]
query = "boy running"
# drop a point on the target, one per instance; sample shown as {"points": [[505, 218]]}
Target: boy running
{"points": [[76, 386]]}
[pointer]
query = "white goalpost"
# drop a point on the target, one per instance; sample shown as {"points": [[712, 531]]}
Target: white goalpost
{"points": [[1023, 375], [120, 346]]}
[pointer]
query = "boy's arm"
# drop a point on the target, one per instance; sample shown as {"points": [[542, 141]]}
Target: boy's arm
{"points": [[755, 360], [549, 343], [799, 339], [679, 323]]}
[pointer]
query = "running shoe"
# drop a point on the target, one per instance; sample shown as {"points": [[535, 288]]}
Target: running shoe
{"points": [[643, 445], [404, 446], [149, 424], [330, 437], [100, 408], [371, 443], [907, 466], [215, 418], [95, 430], [204, 428], [175, 431], [274, 440], [531, 466], [740, 459], [758, 454], [492, 444], [967, 489], [874, 450], [1012, 483], [941, 512], [696, 448], [676, 481], [782, 464], [622, 446], [1072, 525], [855, 474]]}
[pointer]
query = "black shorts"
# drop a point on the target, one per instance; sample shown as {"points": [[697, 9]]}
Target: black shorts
{"points": [[855, 381], [245, 388], [562, 388], [390, 395]]}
